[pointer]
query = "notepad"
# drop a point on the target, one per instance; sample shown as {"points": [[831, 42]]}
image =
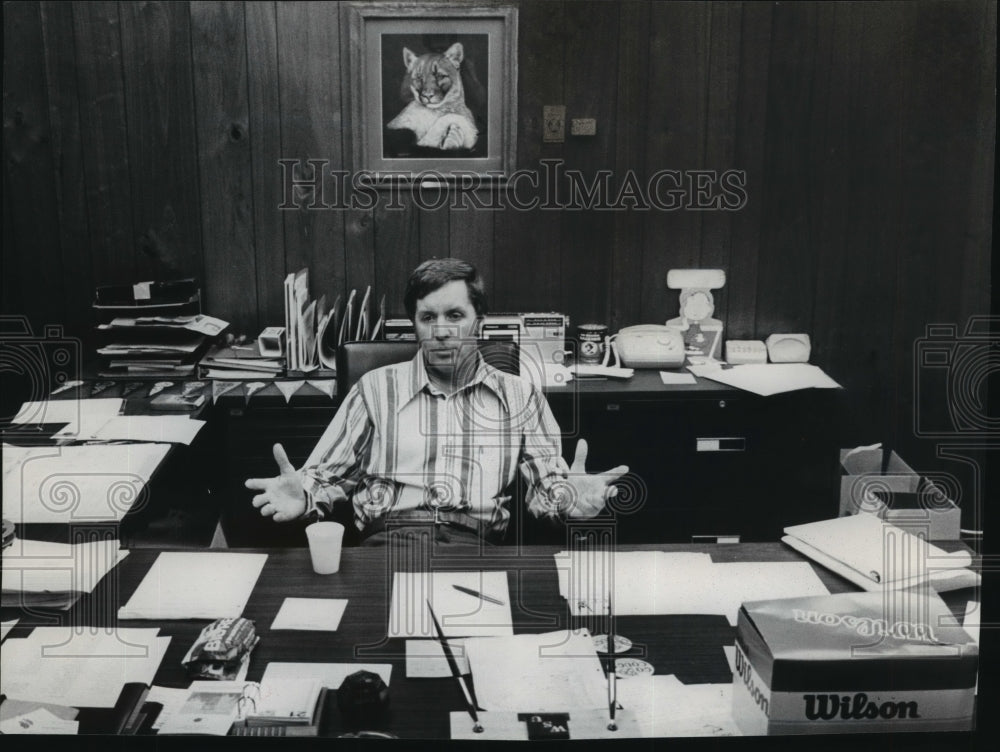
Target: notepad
{"points": [[313, 614], [195, 585]]}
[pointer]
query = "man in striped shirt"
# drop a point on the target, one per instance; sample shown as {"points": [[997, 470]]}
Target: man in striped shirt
{"points": [[439, 438]]}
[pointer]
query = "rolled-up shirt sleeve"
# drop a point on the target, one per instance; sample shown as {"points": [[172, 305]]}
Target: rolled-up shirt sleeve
{"points": [[542, 464], [332, 470]]}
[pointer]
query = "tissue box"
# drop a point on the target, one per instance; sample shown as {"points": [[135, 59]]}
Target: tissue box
{"points": [[900, 495], [844, 664]]}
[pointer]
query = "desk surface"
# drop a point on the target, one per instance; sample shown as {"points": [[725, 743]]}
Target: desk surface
{"points": [[689, 646]]}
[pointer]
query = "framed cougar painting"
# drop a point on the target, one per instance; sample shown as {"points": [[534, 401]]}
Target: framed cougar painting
{"points": [[431, 90]]}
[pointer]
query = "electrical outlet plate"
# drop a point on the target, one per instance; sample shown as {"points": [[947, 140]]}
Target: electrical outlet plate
{"points": [[554, 123]]}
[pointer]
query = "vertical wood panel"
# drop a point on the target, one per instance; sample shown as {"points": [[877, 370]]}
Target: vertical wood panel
{"points": [[631, 117], [220, 76], [527, 242], [161, 131], [587, 235], [785, 267], [105, 141], [397, 249], [28, 164], [720, 140], [751, 130], [678, 56], [67, 159], [311, 123], [265, 151], [471, 239], [435, 223]]}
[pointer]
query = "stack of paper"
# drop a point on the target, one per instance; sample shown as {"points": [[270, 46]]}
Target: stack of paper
{"points": [[665, 707], [876, 555], [195, 585], [79, 668], [657, 582], [459, 613], [41, 572], [98, 483], [548, 673], [155, 345]]}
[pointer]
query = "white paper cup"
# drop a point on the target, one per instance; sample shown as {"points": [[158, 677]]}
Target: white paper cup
{"points": [[325, 539]]}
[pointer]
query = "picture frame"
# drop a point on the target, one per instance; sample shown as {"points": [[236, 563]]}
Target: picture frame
{"points": [[431, 90]]}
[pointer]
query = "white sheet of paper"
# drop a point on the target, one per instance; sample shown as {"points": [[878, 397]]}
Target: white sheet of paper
{"points": [[766, 379], [314, 614], [31, 566], [549, 673], [670, 378], [224, 583], [82, 416], [169, 698], [665, 707], [208, 708], [81, 669], [95, 483], [460, 614], [425, 659], [165, 429], [5, 628], [331, 675], [657, 582], [38, 721]]}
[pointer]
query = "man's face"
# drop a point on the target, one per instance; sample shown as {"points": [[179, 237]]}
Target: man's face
{"points": [[444, 321]]}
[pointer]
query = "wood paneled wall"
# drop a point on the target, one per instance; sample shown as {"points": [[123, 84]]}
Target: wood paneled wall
{"points": [[143, 140]]}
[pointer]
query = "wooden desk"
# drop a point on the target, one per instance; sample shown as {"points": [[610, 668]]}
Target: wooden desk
{"points": [[688, 646]]}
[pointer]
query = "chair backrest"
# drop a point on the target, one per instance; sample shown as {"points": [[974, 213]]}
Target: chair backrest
{"points": [[355, 359]]}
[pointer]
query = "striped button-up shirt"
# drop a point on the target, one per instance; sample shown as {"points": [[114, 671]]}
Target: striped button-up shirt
{"points": [[399, 444]]}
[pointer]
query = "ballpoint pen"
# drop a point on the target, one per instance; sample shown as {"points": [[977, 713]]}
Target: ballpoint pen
{"points": [[470, 705], [477, 594], [612, 678]]}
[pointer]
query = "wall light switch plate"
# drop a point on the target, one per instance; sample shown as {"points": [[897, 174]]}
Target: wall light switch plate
{"points": [[554, 123], [583, 127]]}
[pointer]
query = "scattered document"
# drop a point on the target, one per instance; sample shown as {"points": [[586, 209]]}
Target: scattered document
{"points": [[65, 666], [31, 566], [657, 582], [330, 675], [93, 483], [5, 628], [670, 378], [547, 673], [425, 659], [665, 707], [766, 379], [83, 417], [208, 708], [224, 583], [876, 555], [38, 721], [164, 429], [460, 614], [169, 699], [314, 614]]}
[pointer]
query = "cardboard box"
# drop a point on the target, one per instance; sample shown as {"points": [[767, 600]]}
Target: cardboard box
{"points": [[898, 494], [844, 664]]}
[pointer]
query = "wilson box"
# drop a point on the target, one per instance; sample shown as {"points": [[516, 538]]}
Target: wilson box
{"points": [[849, 663]]}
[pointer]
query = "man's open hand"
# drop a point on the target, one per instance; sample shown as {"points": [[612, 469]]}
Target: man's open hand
{"points": [[283, 496], [588, 493]]}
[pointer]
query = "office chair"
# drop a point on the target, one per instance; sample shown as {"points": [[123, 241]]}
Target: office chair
{"points": [[355, 359]]}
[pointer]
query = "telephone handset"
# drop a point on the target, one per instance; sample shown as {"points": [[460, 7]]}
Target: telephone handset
{"points": [[650, 346]]}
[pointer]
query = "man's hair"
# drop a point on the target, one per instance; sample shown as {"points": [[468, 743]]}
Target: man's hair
{"points": [[436, 273]]}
